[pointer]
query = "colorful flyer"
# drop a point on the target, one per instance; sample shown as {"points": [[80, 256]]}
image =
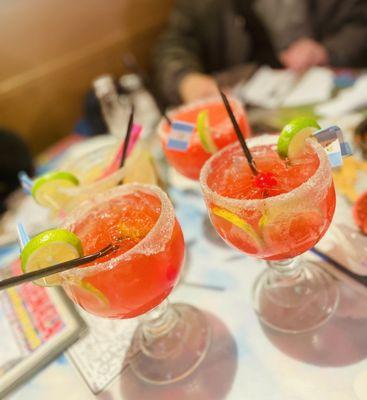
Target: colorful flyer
{"points": [[36, 325]]}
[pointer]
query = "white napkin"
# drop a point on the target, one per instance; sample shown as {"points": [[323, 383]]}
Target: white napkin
{"points": [[348, 100]]}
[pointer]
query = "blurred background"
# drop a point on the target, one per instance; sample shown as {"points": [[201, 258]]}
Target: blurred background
{"points": [[52, 51]]}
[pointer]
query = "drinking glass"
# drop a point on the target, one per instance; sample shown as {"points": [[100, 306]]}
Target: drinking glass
{"points": [[293, 295], [88, 168], [135, 280], [189, 162]]}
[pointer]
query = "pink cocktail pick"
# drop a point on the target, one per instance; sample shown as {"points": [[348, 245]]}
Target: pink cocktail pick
{"points": [[115, 165]]}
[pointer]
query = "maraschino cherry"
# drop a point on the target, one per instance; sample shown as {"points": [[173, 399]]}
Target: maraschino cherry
{"points": [[265, 180]]}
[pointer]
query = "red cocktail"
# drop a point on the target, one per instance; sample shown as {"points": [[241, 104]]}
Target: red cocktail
{"points": [[189, 162], [276, 215], [272, 227], [132, 280], [137, 278]]}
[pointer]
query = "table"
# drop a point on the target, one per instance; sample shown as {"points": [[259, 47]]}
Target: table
{"points": [[245, 360]]}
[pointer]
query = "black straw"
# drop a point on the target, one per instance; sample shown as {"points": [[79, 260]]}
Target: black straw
{"points": [[132, 64], [239, 134], [127, 136], [54, 269], [166, 117]]}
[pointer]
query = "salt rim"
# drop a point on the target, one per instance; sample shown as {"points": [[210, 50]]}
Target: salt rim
{"points": [[108, 181], [154, 242], [321, 178], [237, 110]]}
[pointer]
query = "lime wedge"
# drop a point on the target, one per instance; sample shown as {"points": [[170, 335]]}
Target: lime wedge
{"points": [[49, 248], [203, 128], [291, 140], [239, 222], [140, 167], [48, 189]]}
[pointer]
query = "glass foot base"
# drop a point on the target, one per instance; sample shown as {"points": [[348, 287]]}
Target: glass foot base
{"points": [[295, 304], [174, 355]]}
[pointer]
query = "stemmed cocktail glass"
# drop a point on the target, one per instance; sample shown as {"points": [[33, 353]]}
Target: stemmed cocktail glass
{"points": [[276, 216], [136, 279], [189, 162], [78, 179]]}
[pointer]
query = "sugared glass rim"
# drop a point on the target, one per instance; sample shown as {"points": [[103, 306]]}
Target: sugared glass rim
{"points": [[321, 176], [159, 235], [194, 104], [115, 177]]}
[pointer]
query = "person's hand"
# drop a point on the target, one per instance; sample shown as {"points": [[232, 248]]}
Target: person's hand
{"points": [[303, 54], [195, 86]]}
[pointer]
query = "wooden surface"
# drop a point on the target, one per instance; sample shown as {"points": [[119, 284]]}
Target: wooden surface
{"points": [[52, 50]]}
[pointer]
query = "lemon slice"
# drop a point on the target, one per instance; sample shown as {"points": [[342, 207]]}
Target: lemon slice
{"points": [[49, 248], [263, 221], [291, 141], [239, 222], [48, 189], [87, 286], [203, 128], [140, 167]]}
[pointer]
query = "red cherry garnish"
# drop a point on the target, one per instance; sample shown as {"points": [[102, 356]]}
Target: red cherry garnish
{"points": [[265, 180]]}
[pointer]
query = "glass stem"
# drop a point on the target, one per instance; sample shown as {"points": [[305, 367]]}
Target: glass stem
{"points": [[287, 269], [287, 282], [158, 322]]}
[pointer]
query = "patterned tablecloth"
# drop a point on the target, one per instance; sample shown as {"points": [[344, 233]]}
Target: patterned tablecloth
{"points": [[245, 360]]}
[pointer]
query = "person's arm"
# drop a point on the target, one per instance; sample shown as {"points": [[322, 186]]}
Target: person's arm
{"points": [[304, 53], [177, 56], [342, 38]]}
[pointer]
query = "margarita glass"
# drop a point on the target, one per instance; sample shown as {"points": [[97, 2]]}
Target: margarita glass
{"points": [[276, 216], [189, 162], [77, 178], [87, 169], [136, 279]]}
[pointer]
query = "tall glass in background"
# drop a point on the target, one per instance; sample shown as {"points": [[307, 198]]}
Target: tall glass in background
{"points": [[115, 109]]}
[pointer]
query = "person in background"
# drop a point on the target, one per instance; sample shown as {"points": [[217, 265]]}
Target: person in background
{"points": [[14, 157], [208, 36]]}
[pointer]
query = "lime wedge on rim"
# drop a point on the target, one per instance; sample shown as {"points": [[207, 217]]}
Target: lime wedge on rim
{"points": [[291, 140], [203, 128], [48, 189], [49, 248]]}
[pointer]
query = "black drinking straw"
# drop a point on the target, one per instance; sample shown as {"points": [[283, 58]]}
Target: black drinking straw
{"points": [[54, 269], [240, 137], [132, 64], [127, 136]]}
